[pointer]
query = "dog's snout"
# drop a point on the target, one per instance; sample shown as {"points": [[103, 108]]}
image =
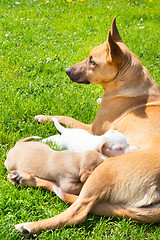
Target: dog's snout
{"points": [[68, 71]]}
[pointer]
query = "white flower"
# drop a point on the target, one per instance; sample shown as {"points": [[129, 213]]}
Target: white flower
{"points": [[48, 59], [17, 3], [99, 100]]}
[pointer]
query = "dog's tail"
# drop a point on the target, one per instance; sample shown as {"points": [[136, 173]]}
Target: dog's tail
{"points": [[59, 127], [28, 139], [150, 214]]}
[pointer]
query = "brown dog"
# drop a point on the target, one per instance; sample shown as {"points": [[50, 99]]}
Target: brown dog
{"points": [[127, 185]]}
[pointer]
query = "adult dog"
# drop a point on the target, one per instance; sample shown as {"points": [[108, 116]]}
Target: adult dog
{"points": [[127, 185]]}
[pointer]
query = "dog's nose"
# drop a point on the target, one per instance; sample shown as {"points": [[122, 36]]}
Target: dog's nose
{"points": [[68, 71]]}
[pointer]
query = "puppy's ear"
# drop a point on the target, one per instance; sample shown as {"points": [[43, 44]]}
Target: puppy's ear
{"points": [[100, 147], [103, 149], [114, 54]]}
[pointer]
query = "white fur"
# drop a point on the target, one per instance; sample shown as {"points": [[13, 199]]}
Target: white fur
{"points": [[79, 140]]}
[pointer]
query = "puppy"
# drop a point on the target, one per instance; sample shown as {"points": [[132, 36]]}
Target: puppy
{"points": [[69, 170], [111, 144]]}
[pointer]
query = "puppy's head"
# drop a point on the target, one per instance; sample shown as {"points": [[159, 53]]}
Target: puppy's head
{"points": [[113, 144], [103, 63]]}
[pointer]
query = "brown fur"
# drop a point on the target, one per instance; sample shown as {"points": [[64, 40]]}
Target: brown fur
{"points": [[127, 185], [69, 170]]}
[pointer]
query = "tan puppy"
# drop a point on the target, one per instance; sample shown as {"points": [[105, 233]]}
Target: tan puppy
{"points": [[127, 185], [67, 169]]}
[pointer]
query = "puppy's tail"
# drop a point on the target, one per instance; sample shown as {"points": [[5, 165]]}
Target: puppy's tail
{"points": [[28, 139], [59, 127]]}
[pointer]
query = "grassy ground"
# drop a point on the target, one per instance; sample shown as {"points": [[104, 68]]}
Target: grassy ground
{"points": [[39, 40]]}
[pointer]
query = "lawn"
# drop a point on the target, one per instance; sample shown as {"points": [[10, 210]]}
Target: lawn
{"points": [[39, 39]]}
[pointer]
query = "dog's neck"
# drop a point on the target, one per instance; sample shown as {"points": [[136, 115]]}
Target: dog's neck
{"points": [[132, 87], [132, 80]]}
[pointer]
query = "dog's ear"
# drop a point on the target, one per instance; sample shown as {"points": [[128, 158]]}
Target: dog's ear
{"points": [[100, 147], [115, 54], [103, 149], [114, 31]]}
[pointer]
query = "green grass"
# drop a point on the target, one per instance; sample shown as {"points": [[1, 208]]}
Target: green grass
{"points": [[38, 41]]}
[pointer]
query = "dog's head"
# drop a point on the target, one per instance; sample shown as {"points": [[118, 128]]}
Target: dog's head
{"points": [[103, 63]]}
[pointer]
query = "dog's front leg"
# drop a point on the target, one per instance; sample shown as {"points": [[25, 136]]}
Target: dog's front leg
{"points": [[65, 121]]}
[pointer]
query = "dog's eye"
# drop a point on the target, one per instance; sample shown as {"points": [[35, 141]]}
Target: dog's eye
{"points": [[91, 61]]}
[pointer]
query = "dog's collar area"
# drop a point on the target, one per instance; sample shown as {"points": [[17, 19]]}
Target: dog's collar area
{"points": [[114, 77]]}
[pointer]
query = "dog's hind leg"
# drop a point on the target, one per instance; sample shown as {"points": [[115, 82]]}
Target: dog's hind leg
{"points": [[22, 178], [26, 179], [75, 214], [102, 208], [65, 121]]}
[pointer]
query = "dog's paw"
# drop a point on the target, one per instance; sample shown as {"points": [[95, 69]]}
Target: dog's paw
{"points": [[40, 118], [14, 177], [24, 228], [44, 140], [21, 178]]}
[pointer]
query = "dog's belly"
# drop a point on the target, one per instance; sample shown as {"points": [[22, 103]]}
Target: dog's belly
{"points": [[134, 195]]}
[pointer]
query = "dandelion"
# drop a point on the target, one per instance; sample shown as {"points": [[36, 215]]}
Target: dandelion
{"points": [[81, 0], [69, 1], [108, 7], [150, 0]]}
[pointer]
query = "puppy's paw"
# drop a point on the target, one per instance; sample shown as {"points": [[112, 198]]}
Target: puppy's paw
{"points": [[14, 177], [45, 140], [21, 178], [24, 228]]}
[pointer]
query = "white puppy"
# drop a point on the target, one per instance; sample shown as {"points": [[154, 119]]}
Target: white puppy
{"points": [[111, 144]]}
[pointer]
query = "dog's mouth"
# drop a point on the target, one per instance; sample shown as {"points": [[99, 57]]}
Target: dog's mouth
{"points": [[76, 77], [84, 82], [78, 80]]}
